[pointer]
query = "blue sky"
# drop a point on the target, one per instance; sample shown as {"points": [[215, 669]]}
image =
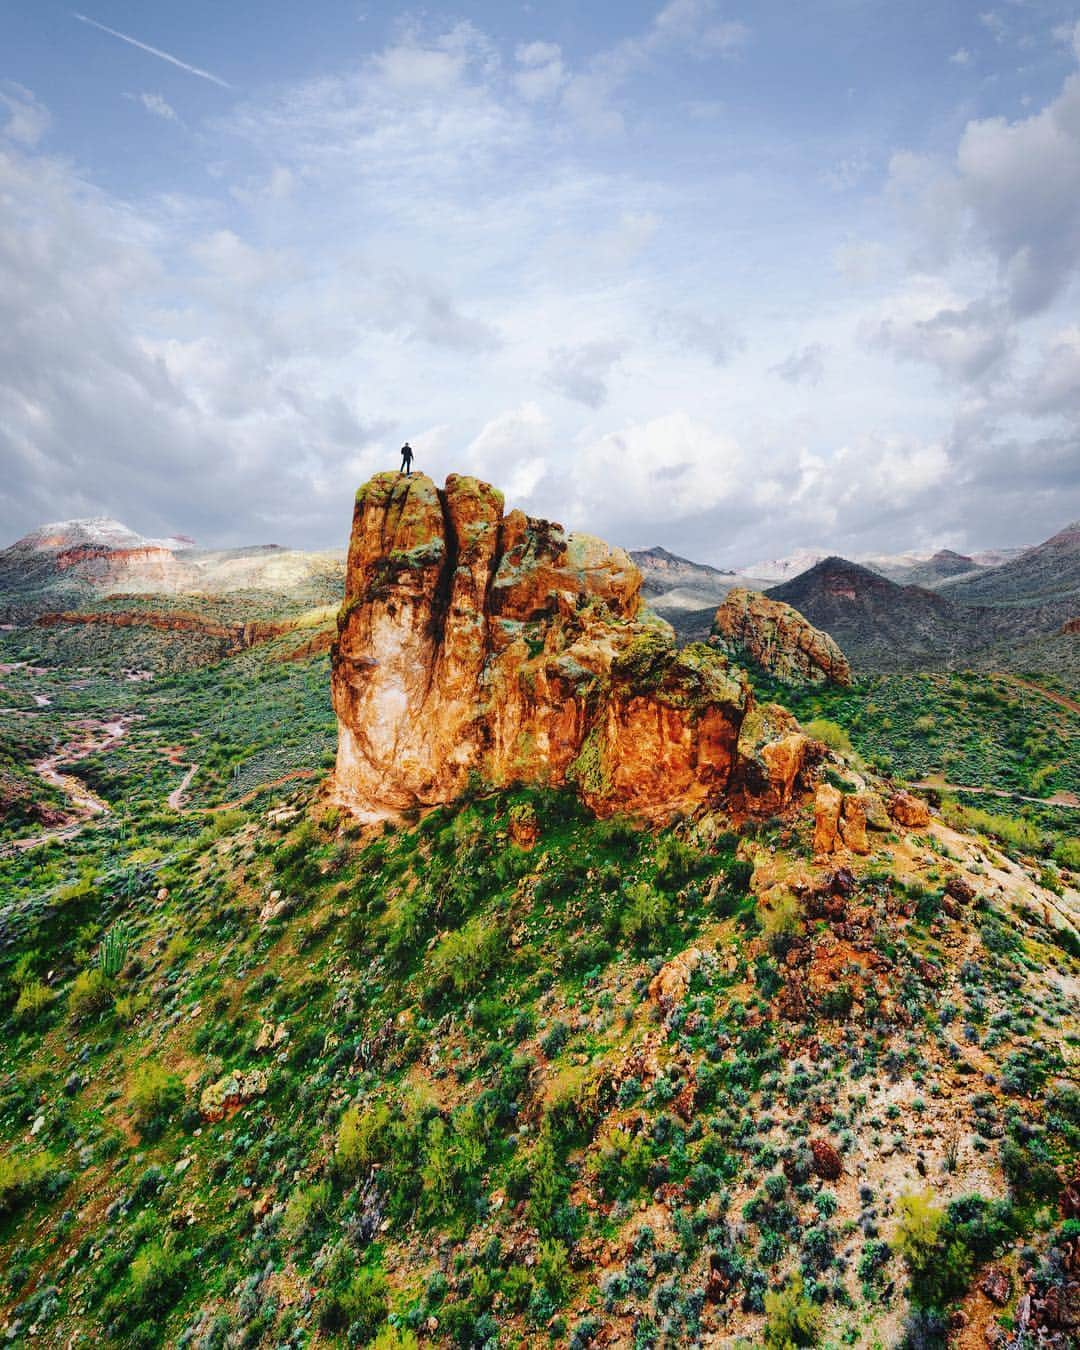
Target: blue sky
{"points": [[734, 279]]}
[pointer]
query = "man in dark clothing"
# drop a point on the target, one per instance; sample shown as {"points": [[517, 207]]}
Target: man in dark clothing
{"points": [[406, 459]]}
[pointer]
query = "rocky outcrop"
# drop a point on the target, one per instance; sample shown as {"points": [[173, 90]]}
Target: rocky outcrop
{"points": [[910, 811], [237, 635], [778, 640], [474, 644]]}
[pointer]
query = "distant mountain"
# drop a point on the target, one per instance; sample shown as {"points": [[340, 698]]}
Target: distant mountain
{"points": [[945, 565], [915, 567], [877, 622], [1048, 573], [782, 569], [675, 587], [882, 625], [72, 563]]}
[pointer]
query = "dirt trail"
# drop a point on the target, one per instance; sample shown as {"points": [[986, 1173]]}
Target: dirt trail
{"points": [[1062, 700], [176, 796], [94, 738], [1067, 799]]}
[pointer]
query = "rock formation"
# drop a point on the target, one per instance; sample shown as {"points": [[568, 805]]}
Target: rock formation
{"points": [[777, 639], [478, 645]]}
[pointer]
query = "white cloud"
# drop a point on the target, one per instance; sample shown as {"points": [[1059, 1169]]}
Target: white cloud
{"points": [[925, 322], [804, 366], [581, 372], [542, 72], [961, 57], [27, 119], [154, 103]]}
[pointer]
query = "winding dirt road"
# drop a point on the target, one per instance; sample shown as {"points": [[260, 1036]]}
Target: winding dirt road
{"points": [[94, 738]]}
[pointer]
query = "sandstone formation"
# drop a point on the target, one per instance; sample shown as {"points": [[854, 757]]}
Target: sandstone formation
{"points": [[909, 811], [498, 648], [778, 640]]}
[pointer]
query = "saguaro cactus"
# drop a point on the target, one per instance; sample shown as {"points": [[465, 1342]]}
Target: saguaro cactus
{"points": [[113, 951]]}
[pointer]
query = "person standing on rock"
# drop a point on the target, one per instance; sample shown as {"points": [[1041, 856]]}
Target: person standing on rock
{"points": [[406, 459]]}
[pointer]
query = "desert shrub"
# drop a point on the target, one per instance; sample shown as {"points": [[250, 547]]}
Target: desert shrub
{"points": [[917, 1230], [677, 862], [645, 913], [22, 1180], [831, 733], [782, 920], [34, 997], [451, 1166], [463, 958], [549, 1187], [622, 1164], [790, 1318], [359, 1307], [91, 993], [306, 1207], [553, 1271], [363, 1138], [555, 1039], [157, 1279], [395, 1338], [155, 1095]]}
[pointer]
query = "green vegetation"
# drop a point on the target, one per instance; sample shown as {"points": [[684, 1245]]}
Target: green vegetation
{"points": [[271, 1078]]}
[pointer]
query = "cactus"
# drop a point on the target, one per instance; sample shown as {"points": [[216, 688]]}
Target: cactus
{"points": [[113, 951]]}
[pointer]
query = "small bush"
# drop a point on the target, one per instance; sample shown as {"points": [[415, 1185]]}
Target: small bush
{"points": [[34, 997], [462, 959], [831, 733], [22, 1180], [91, 993], [363, 1138], [156, 1094], [646, 912], [360, 1307], [790, 1318]]}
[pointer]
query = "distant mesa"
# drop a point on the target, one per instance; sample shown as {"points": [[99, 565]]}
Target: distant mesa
{"points": [[481, 646], [774, 637], [79, 561]]}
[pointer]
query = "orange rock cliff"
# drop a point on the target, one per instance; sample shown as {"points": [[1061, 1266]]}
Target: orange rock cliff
{"points": [[474, 645]]}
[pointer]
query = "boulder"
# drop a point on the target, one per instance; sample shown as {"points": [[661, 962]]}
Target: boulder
{"points": [[828, 804], [909, 811], [853, 824], [670, 985], [230, 1092], [778, 640]]}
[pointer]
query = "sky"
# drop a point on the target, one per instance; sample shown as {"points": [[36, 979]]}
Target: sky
{"points": [[734, 279]]}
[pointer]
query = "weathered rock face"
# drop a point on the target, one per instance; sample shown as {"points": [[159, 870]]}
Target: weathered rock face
{"points": [[473, 643], [776, 638]]}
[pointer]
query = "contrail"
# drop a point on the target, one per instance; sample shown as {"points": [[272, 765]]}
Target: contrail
{"points": [[154, 51]]}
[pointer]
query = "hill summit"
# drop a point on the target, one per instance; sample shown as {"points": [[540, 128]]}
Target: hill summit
{"points": [[476, 643]]}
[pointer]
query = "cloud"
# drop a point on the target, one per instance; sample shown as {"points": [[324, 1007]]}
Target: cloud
{"points": [[961, 57], [28, 120], [687, 27], [542, 72], [1013, 191], [693, 332], [927, 324], [154, 103], [154, 51], [804, 366], [581, 372], [1054, 385]]}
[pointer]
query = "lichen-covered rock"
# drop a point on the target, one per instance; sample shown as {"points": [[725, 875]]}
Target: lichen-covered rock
{"points": [[473, 644], [828, 803], [236, 1088], [670, 985], [778, 640], [853, 824], [909, 811]]}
